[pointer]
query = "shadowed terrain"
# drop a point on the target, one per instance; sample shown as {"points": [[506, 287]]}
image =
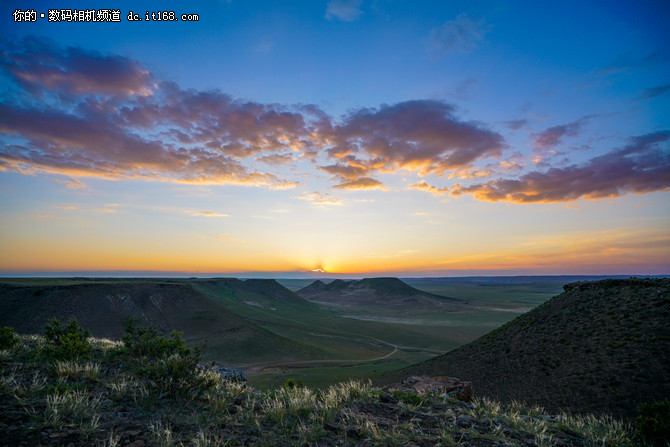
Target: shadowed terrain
{"points": [[598, 347], [103, 306], [378, 296]]}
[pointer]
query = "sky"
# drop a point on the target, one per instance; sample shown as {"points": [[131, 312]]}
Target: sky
{"points": [[360, 137]]}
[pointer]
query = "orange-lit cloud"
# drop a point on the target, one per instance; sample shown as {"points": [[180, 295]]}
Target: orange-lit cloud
{"points": [[87, 114], [361, 183], [46, 216], [423, 186], [641, 166], [274, 159], [205, 214], [422, 136], [318, 198]]}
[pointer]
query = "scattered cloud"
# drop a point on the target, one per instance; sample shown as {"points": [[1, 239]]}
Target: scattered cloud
{"points": [[46, 216], [461, 35], [434, 190], [362, 183], [95, 126], [39, 64], [83, 114], [631, 60], [553, 136], [205, 214], [654, 92], [69, 207], [422, 135], [515, 124], [71, 183], [318, 198], [107, 210], [345, 10], [276, 159], [641, 166]]}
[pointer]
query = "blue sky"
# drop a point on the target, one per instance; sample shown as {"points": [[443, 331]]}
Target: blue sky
{"points": [[351, 136]]}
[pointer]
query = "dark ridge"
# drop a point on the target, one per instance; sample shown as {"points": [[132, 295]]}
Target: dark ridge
{"points": [[598, 347], [104, 307], [385, 293], [388, 285]]}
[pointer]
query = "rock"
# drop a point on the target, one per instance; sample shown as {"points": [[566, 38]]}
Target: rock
{"points": [[228, 374], [465, 421], [137, 443], [448, 386]]}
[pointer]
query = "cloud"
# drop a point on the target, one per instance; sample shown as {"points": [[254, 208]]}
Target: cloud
{"points": [[345, 171], [71, 183], [515, 124], [96, 126], [640, 167], [461, 35], [46, 216], [362, 183], [205, 214], [107, 210], [654, 92], [553, 136], [434, 190], [422, 135], [629, 61], [345, 10], [39, 64], [276, 159], [318, 198]]}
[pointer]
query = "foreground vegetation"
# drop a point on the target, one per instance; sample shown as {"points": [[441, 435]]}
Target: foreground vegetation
{"points": [[66, 388]]}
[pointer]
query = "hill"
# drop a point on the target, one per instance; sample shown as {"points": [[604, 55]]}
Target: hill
{"points": [[103, 306], [598, 347], [378, 295]]}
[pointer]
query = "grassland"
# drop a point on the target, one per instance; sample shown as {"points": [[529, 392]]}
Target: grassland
{"points": [[111, 396]]}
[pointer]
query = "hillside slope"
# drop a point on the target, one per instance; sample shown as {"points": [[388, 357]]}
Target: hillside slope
{"points": [[598, 347], [104, 306], [386, 294]]}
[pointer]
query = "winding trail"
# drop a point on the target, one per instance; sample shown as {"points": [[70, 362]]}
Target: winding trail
{"points": [[255, 368]]}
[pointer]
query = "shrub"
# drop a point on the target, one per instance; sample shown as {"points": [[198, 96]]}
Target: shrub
{"points": [[66, 342], [653, 422], [292, 383], [167, 362], [8, 339], [146, 344]]}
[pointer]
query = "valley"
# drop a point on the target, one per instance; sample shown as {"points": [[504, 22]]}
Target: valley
{"points": [[272, 333]]}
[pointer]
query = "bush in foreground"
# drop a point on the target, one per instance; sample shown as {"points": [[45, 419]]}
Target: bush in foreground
{"points": [[8, 339], [66, 342]]}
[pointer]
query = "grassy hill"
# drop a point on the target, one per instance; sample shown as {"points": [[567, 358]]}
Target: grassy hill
{"points": [[600, 346], [377, 297], [104, 306]]}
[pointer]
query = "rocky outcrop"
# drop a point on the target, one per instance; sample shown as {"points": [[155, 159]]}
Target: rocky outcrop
{"points": [[449, 386]]}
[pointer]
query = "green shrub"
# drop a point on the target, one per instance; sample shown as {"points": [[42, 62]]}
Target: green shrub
{"points": [[171, 367], [8, 339], [292, 383], [66, 342], [146, 344], [653, 422]]}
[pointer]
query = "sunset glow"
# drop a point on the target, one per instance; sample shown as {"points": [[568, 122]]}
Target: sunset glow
{"points": [[340, 137]]}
